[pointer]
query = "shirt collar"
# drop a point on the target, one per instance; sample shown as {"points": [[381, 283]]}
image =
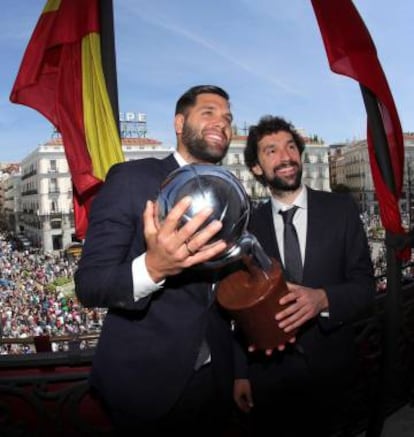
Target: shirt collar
{"points": [[301, 201], [180, 160]]}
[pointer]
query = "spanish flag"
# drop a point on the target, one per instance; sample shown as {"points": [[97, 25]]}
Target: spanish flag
{"points": [[61, 76]]}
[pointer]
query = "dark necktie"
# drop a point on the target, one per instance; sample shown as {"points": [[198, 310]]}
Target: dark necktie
{"points": [[293, 258]]}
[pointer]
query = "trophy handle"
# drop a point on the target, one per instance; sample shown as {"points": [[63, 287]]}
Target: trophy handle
{"points": [[249, 246], [251, 295]]}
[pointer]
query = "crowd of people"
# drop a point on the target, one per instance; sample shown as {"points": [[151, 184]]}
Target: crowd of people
{"points": [[378, 249], [31, 305]]}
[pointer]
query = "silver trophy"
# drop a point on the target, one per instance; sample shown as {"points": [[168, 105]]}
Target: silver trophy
{"points": [[212, 186], [251, 293]]}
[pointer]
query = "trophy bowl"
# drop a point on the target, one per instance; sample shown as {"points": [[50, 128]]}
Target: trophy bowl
{"points": [[209, 186]]}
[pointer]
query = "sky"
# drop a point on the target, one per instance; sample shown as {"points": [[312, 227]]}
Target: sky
{"points": [[267, 54]]}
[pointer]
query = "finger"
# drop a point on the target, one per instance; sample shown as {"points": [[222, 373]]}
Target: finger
{"points": [[293, 323], [173, 218], [192, 227], [201, 239], [244, 405], [249, 399], [247, 403], [148, 217], [198, 242], [157, 215], [290, 297], [292, 318], [288, 312], [293, 326], [204, 255]]}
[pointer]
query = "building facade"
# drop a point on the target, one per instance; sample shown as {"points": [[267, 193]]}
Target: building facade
{"points": [[315, 160], [46, 212], [350, 169], [39, 198]]}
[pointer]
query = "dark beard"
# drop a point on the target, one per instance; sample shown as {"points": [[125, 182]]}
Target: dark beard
{"points": [[198, 147], [279, 184]]}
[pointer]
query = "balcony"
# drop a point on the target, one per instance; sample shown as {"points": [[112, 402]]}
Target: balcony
{"points": [[29, 174], [47, 393], [29, 192]]}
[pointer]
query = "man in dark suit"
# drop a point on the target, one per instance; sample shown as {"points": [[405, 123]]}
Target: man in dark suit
{"points": [[148, 368], [299, 391]]}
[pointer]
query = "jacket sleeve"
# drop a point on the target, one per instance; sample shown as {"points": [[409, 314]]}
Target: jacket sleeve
{"points": [[114, 238], [355, 293]]}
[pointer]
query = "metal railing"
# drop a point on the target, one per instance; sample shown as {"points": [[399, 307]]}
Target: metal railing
{"points": [[49, 390]]}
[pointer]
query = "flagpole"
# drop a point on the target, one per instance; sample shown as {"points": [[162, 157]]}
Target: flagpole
{"points": [[392, 314], [108, 54]]}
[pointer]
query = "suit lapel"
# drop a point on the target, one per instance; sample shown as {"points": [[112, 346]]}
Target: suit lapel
{"points": [[315, 229], [168, 165], [263, 228]]}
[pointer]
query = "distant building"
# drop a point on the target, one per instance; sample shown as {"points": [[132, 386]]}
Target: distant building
{"points": [[9, 194], [38, 199], [46, 213], [234, 161], [350, 168], [315, 160]]}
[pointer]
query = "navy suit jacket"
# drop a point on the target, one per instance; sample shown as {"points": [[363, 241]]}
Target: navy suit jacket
{"points": [[147, 349], [336, 259]]}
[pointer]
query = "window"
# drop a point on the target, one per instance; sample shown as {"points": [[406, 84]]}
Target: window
{"points": [[53, 186]]}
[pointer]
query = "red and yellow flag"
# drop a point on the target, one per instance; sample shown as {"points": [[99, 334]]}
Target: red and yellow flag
{"points": [[61, 76]]}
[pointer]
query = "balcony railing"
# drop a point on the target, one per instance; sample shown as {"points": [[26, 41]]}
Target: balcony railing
{"points": [[47, 393], [28, 174], [29, 192]]}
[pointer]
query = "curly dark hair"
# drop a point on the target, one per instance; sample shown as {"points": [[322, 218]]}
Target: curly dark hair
{"points": [[268, 125], [188, 99]]}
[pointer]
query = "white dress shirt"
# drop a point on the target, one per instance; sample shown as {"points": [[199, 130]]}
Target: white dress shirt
{"points": [[300, 221]]}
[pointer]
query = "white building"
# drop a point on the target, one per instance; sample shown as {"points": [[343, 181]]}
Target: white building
{"points": [[12, 205], [46, 215], [315, 160], [351, 165], [234, 161], [44, 212]]}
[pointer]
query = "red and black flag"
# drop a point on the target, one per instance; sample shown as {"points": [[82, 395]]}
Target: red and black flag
{"points": [[61, 76], [351, 52]]}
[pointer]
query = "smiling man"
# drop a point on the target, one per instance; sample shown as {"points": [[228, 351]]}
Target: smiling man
{"points": [[301, 388], [164, 361]]}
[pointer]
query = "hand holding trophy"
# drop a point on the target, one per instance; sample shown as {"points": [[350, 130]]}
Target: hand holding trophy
{"points": [[251, 294]]}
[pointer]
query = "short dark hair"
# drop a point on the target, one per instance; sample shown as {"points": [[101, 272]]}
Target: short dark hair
{"points": [[268, 125], [188, 99]]}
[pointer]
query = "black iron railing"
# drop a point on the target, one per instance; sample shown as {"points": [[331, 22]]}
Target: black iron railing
{"points": [[47, 393]]}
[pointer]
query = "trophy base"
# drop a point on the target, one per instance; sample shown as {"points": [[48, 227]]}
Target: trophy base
{"points": [[252, 298]]}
